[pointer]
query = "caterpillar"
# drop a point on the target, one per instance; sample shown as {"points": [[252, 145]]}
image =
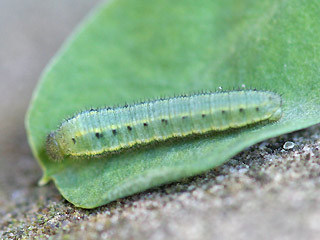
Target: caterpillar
{"points": [[98, 132]]}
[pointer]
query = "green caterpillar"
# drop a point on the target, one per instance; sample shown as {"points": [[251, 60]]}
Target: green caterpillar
{"points": [[102, 131]]}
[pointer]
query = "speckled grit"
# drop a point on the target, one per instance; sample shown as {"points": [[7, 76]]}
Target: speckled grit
{"points": [[265, 192]]}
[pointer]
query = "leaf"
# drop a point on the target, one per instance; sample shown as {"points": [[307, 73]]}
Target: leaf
{"points": [[128, 50]]}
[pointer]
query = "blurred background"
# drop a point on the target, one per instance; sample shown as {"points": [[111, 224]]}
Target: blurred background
{"points": [[31, 31]]}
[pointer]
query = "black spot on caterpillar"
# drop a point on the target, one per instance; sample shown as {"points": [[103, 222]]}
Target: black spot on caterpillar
{"points": [[165, 121], [98, 135], [103, 131]]}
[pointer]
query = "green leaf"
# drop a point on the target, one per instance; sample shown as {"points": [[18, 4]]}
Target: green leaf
{"points": [[128, 50]]}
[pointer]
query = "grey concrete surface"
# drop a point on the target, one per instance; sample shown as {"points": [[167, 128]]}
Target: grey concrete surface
{"points": [[31, 31]]}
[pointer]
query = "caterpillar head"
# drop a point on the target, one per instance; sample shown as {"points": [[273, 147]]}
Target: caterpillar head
{"points": [[53, 149]]}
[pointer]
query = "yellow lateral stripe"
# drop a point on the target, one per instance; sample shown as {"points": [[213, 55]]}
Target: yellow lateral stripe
{"points": [[130, 144], [81, 132]]}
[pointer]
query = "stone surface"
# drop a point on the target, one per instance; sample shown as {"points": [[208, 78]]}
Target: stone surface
{"points": [[265, 192]]}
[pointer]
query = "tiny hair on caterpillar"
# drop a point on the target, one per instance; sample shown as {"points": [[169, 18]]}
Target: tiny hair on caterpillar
{"points": [[99, 132]]}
